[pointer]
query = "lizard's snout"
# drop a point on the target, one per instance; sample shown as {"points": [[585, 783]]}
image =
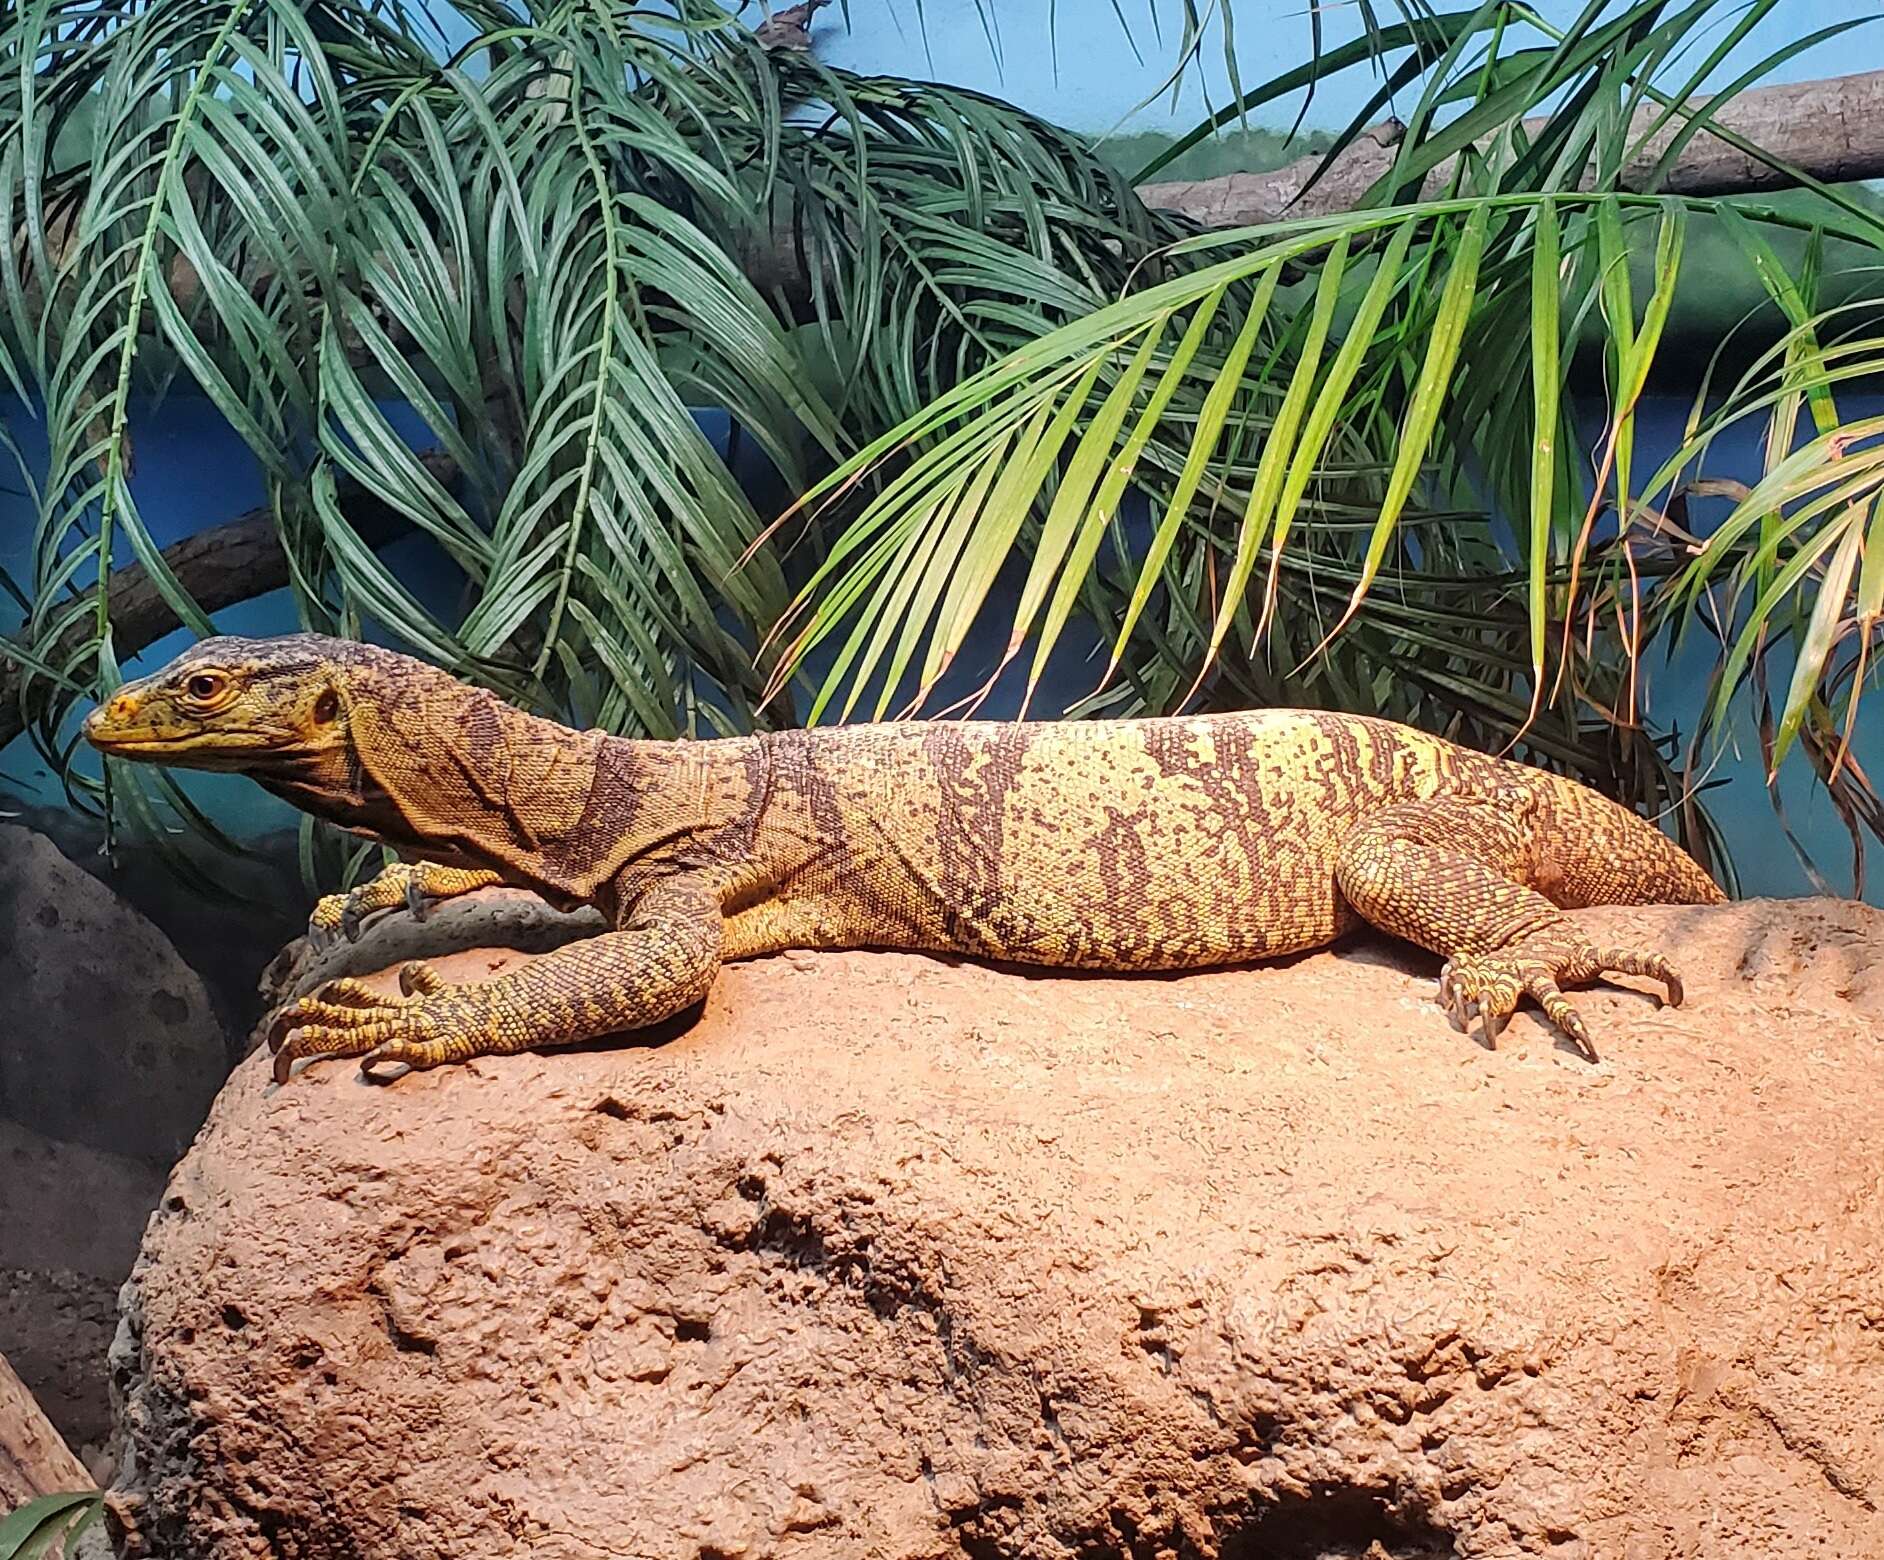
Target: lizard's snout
{"points": [[116, 717], [116, 712]]}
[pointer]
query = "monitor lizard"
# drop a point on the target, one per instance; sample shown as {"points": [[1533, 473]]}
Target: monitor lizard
{"points": [[1153, 844]]}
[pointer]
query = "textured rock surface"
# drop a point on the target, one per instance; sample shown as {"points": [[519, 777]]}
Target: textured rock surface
{"points": [[110, 1038], [884, 1256], [225, 938], [70, 1220]]}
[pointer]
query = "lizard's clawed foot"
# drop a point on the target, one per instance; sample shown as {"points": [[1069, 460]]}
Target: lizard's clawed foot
{"points": [[1487, 987], [430, 1022], [341, 915], [416, 885]]}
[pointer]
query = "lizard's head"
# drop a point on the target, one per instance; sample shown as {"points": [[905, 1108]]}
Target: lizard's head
{"points": [[256, 705]]}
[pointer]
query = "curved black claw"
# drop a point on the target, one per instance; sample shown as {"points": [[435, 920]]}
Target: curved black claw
{"points": [[350, 921], [415, 898], [1480, 1020]]}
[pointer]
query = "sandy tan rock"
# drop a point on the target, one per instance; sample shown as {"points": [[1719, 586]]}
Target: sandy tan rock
{"points": [[889, 1257]]}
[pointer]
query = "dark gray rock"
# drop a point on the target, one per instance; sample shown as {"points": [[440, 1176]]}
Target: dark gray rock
{"points": [[110, 1037], [489, 918], [58, 1327], [227, 938]]}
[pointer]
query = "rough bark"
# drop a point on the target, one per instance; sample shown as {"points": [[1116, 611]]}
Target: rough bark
{"points": [[1832, 130], [34, 1459]]}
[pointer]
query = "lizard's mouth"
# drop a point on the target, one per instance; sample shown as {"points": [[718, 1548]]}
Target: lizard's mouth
{"points": [[226, 749]]}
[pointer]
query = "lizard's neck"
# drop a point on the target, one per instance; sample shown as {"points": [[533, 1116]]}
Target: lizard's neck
{"points": [[458, 776]]}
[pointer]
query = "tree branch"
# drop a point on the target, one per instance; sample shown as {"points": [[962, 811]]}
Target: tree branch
{"points": [[34, 1459], [1832, 130], [227, 563]]}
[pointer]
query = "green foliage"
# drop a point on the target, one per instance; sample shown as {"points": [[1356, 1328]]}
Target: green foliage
{"points": [[1732, 305], [546, 242], [41, 1526], [1234, 149], [1369, 489]]}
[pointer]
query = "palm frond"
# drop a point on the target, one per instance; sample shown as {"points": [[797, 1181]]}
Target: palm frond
{"points": [[1349, 504]]}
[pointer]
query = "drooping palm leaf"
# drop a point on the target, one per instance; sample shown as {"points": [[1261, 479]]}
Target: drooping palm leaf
{"points": [[1396, 505], [547, 244]]}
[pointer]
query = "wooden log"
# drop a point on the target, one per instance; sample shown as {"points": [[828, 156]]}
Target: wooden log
{"points": [[1832, 130], [34, 1459], [235, 561]]}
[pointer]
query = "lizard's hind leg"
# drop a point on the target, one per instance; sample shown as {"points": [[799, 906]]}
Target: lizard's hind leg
{"points": [[414, 884], [1454, 875]]}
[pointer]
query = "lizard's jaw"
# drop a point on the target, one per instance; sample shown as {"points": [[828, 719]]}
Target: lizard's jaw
{"points": [[225, 750]]}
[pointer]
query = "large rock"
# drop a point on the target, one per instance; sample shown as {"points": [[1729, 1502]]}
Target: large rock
{"points": [[70, 1221], [110, 1038], [225, 936], [890, 1257], [110, 1053]]}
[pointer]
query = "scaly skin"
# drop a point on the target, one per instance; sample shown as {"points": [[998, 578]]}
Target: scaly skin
{"points": [[1122, 845], [414, 884]]}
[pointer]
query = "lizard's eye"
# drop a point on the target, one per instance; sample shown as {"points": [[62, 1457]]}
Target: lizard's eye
{"points": [[205, 687]]}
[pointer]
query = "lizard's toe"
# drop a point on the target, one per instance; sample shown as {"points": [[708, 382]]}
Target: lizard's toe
{"points": [[329, 1040], [348, 992], [1491, 984], [340, 1004], [1650, 966], [432, 1022], [323, 926], [1545, 992], [416, 1030], [400, 884], [1481, 992], [412, 886], [419, 979], [415, 1055]]}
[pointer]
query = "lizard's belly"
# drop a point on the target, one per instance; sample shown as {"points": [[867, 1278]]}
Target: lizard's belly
{"points": [[1172, 928], [1147, 926]]}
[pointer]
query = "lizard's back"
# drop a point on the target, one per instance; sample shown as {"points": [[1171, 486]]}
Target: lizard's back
{"points": [[1144, 844]]}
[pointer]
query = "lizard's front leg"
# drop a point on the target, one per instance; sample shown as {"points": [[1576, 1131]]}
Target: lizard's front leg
{"points": [[662, 961], [1452, 875], [414, 884]]}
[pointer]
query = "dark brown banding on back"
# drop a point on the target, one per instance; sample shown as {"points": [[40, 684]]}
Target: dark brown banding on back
{"points": [[973, 781]]}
